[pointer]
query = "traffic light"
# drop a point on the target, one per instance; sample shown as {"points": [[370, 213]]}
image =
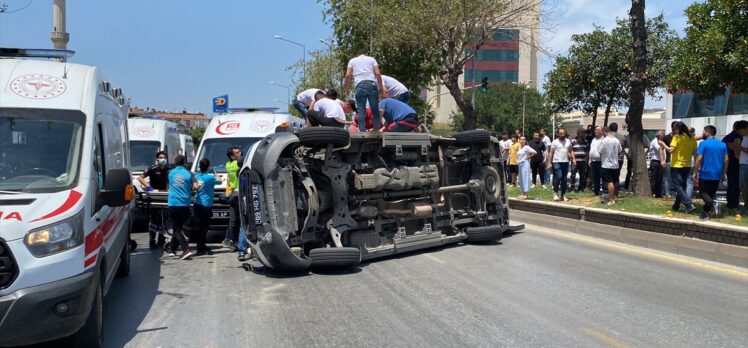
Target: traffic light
{"points": [[484, 85]]}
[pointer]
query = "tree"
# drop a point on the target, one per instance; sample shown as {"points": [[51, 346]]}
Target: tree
{"points": [[500, 109], [638, 88], [321, 71], [714, 53], [197, 134], [435, 37]]}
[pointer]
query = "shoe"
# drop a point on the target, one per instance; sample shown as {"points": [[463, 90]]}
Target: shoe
{"points": [[228, 243], [532, 186], [172, 254], [717, 209], [675, 207], [242, 256], [563, 198], [690, 209], [187, 255], [555, 197], [152, 245], [703, 216], [543, 186]]}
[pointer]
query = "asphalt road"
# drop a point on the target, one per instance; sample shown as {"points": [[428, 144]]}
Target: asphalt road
{"points": [[537, 288]]}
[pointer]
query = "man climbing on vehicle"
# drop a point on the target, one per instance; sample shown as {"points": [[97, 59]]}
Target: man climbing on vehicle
{"points": [[158, 174], [398, 116]]}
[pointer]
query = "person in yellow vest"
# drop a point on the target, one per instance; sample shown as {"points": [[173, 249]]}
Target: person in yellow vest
{"points": [[234, 154], [682, 149], [514, 159]]}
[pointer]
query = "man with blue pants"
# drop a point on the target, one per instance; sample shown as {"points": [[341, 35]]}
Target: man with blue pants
{"points": [[368, 87]]}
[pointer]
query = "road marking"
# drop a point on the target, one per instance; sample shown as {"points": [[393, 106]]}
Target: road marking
{"points": [[434, 258], [634, 250], [607, 339]]}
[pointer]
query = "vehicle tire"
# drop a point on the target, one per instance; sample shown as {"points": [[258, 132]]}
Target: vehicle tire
{"points": [[483, 234], [478, 136], [90, 335], [335, 257], [323, 136]]}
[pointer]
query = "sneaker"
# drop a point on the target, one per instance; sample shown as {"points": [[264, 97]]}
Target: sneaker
{"points": [[187, 255], [563, 198], [717, 209], [690, 209], [172, 254], [228, 243], [703, 216], [532, 186], [675, 207], [555, 197], [242, 256]]}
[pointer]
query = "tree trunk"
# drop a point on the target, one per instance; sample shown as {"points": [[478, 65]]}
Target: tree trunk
{"points": [[636, 98], [607, 110], [594, 120], [468, 110]]}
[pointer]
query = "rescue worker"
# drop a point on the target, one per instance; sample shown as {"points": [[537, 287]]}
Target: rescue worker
{"points": [[303, 100], [398, 116], [234, 154], [206, 181], [158, 174], [181, 185]]}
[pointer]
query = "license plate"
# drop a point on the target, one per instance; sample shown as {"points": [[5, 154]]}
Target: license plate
{"points": [[221, 214]]}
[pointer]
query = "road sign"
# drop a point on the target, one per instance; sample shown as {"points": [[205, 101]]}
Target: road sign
{"points": [[221, 104]]}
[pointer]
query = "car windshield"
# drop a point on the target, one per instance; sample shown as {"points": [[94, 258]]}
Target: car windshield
{"points": [[40, 149], [215, 150], [143, 154]]}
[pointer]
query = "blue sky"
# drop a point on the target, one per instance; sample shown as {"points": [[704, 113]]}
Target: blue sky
{"points": [[172, 55]]}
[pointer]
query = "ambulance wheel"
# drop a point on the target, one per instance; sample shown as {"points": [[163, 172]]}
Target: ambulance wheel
{"points": [[323, 136], [89, 336]]}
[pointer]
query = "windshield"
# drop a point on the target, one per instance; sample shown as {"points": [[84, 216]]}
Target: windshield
{"points": [[215, 150], [40, 149], [143, 154]]}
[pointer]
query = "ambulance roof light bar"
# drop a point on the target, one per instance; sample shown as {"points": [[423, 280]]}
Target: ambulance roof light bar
{"points": [[253, 109], [35, 53]]}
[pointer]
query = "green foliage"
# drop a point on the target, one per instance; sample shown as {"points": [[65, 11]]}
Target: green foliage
{"points": [[196, 134], [500, 109], [714, 53], [321, 71]]}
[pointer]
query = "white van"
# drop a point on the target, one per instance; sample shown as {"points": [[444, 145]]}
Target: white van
{"points": [[242, 128], [65, 198], [148, 135], [187, 147]]}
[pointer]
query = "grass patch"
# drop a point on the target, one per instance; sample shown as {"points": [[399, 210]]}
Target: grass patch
{"points": [[632, 204]]}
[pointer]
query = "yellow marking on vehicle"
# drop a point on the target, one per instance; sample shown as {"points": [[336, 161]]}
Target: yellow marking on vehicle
{"points": [[606, 339], [632, 250]]}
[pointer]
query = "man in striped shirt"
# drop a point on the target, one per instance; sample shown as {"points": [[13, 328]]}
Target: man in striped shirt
{"points": [[580, 147]]}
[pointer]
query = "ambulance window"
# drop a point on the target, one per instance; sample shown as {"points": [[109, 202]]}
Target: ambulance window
{"points": [[98, 161]]}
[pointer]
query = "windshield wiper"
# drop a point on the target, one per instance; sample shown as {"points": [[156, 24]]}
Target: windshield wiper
{"points": [[10, 192]]}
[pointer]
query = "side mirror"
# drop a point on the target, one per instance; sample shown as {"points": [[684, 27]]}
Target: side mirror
{"points": [[118, 189]]}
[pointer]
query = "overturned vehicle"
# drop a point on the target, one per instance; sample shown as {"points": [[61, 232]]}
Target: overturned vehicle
{"points": [[323, 197]]}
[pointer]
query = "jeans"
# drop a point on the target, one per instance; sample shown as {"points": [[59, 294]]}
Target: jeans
{"points": [[300, 107], [667, 180], [538, 169], [655, 181], [560, 171], [367, 91], [548, 175], [203, 215], [680, 180], [404, 97], [689, 183], [580, 168], [707, 191], [233, 232], [179, 216], [243, 243], [596, 167]]}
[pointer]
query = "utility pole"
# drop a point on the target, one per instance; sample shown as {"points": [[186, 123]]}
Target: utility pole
{"points": [[59, 36]]}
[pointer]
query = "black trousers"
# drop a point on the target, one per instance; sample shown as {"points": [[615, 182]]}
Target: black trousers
{"points": [[581, 168], [234, 221], [538, 168], [707, 191], [596, 174], [629, 172], [733, 184], [655, 179], [179, 216], [203, 215]]}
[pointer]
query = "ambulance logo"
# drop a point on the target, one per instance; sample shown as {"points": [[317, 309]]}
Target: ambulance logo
{"points": [[144, 132], [262, 125], [38, 86], [227, 127]]}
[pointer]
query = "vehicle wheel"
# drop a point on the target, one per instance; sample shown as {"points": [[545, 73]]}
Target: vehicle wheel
{"points": [[478, 136], [91, 333], [483, 234], [335, 257], [323, 136]]}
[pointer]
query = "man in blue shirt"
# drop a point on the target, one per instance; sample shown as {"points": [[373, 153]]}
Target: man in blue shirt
{"points": [[206, 181], [398, 116], [711, 166], [181, 185]]}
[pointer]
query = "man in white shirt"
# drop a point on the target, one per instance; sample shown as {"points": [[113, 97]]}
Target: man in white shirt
{"points": [[504, 144], [395, 89], [303, 100], [325, 112], [595, 161], [610, 147], [656, 163], [547, 141], [560, 155], [367, 79]]}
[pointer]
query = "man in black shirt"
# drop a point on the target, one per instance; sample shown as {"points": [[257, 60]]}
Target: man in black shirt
{"points": [[537, 163], [158, 176], [732, 141]]}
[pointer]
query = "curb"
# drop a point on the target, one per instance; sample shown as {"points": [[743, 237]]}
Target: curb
{"points": [[677, 244]]}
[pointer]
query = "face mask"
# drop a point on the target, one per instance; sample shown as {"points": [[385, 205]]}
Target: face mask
{"points": [[161, 161]]}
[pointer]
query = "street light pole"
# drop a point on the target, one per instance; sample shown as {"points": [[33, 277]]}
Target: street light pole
{"points": [[303, 63], [288, 94]]}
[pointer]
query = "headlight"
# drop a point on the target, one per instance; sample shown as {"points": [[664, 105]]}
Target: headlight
{"points": [[55, 238]]}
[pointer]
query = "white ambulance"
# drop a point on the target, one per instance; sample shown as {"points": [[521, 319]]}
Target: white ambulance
{"points": [[187, 147], [242, 128], [148, 135], [65, 198]]}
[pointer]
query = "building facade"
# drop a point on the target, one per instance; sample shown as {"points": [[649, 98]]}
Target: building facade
{"points": [[184, 120]]}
